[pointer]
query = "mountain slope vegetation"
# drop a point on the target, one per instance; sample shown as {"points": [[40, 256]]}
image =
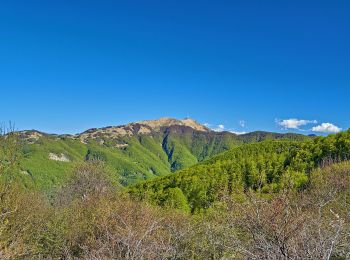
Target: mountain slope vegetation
{"points": [[269, 166], [134, 152], [269, 200], [91, 217]]}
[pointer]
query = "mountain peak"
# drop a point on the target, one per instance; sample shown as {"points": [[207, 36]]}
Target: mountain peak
{"points": [[166, 122], [140, 127], [194, 124]]}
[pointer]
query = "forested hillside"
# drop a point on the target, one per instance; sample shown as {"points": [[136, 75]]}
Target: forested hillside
{"points": [[269, 166]]}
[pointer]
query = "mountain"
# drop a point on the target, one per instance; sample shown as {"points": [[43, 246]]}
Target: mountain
{"points": [[133, 152]]}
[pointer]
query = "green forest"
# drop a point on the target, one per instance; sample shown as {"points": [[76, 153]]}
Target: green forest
{"points": [[266, 167]]}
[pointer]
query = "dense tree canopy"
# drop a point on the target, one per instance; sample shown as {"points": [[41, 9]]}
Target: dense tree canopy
{"points": [[268, 166]]}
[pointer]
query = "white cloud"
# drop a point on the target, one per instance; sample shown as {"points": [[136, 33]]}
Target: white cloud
{"points": [[241, 123], [326, 128], [219, 128], [216, 128], [238, 132], [294, 123]]}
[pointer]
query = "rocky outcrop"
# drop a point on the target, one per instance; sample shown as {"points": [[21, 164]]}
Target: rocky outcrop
{"points": [[58, 157]]}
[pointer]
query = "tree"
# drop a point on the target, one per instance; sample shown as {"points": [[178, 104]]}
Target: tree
{"points": [[175, 199]]}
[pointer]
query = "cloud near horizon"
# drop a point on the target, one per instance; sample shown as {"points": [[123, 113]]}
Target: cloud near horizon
{"points": [[238, 132], [221, 128], [216, 128], [326, 128], [294, 123]]}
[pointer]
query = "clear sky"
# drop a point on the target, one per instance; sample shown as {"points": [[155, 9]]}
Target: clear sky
{"points": [[69, 65]]}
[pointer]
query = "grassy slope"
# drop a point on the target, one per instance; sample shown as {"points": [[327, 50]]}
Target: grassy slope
{"points": [[137, 162]]}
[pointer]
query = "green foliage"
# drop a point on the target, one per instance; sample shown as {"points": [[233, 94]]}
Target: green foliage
{"points": [[175, 199], [131, 158], [250, 166], [269, 166]]}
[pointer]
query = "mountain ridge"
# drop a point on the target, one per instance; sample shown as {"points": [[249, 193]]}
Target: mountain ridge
{"points": [[134, 152], [146, 127]]}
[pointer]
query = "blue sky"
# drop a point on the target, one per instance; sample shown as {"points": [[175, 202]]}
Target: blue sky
{"points": [[66, 66]]}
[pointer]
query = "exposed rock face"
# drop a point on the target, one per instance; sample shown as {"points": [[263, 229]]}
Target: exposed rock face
{"points": [[195, 125], [166, 122], [58, 157], [31, 135], [121, 145], [141, 127]]}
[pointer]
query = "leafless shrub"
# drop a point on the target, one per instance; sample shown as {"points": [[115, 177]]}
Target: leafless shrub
{"points": [[113, 227], [331, 160], [309, 225], [90, 179]]}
